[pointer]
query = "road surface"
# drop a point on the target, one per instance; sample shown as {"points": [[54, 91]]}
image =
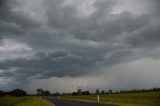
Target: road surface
{"points": [[62, 102]]}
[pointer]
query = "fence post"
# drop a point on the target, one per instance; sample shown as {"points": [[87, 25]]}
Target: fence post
{"points": [[97, 98]]}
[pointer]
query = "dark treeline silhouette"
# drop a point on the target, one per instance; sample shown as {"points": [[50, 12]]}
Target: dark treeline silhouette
{"points": [[41, 92], [142, 90], [98, 92], [16, 92], [130, 91], [81, 93]]}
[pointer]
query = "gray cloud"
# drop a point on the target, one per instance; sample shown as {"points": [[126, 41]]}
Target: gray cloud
{"points": [[54, 64], [59, 38]]}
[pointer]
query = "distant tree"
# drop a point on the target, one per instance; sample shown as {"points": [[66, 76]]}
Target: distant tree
{"points": [[40, 92], [155, 90], [102, 92], [46, 93], [2, 93], [56, 94], [79, 91], [85, 93], [74, 93], [18, 93], [97, 91], [110, 91]]}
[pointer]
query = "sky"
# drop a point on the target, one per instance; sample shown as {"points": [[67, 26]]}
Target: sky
{"points": [[62, 45]]}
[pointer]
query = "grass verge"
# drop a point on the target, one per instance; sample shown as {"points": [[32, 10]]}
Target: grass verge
{"points": [[128, 99], [35, 102], [24, 101]]}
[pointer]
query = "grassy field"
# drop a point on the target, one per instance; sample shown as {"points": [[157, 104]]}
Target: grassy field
{"points": [[129, 99], [24, 101]]}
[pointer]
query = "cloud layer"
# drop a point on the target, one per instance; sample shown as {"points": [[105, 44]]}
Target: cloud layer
{"points": [[74, 38]]}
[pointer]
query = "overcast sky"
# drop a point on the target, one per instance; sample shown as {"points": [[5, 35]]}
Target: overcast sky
{"points": [[60, 45]]}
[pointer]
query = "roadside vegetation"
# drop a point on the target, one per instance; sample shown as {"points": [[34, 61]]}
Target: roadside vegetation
{"points": [[35, 102], [141, 97], [20, 97], [24, 101], [122, 99]]}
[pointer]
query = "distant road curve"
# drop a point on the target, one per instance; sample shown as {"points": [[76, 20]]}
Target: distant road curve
{"points": [[62, 102]]}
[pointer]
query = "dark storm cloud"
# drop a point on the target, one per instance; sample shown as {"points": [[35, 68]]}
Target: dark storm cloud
{"points": [[2, 2], [67, 42], [48, 65], [14, 22], [156, 6], [115, 26], [60, 16], [148, 35]]}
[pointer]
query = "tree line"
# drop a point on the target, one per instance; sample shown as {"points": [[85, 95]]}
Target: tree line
{"points": [[16, 92], [41, 92], [101, 92]]}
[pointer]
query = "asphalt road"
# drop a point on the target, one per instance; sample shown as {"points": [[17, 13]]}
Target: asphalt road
{"points": [[62, 102]]}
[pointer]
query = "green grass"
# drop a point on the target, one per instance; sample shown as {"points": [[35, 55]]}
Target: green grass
{"points": [[10, 101], [24, 101], [35, 102], [129, 99]]}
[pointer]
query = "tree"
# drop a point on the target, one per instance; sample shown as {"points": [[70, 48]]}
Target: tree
{"points": [[2, 93], [102, 92], [56, 94], [46, 93], [97, 91], [40, 92], [110, 91], [79, 91], [74, 93], [85, 93], [18, 93]]}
